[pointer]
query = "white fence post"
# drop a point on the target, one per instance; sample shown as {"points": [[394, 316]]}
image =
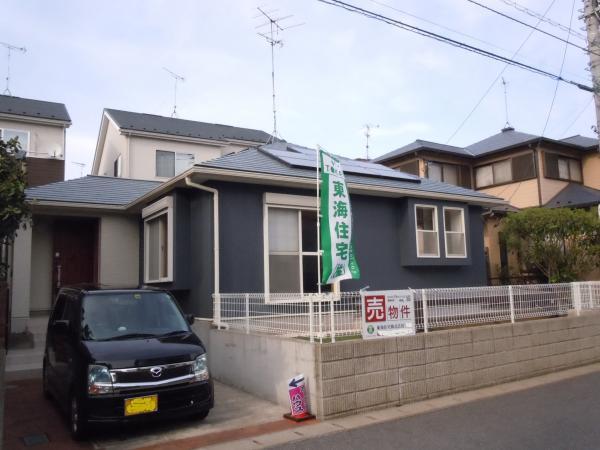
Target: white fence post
{"points": [[576, 295], [511, 299], [217, 310], [331, 311], [311, 318], [247, 313], [320, 321], [589, 283], [425, 311]]}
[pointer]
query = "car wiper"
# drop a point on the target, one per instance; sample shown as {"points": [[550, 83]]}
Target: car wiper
{"points": [[173, 333], [129, 336]]}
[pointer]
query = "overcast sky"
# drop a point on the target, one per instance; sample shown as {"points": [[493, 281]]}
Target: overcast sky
{"points": [[334, 74]]}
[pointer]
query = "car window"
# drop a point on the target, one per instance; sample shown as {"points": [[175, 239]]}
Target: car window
{"points": [[59, 308], [130, 315]]}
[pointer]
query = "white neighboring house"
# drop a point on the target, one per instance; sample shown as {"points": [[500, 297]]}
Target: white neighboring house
{"points": [[150, 147], [41, 128]]}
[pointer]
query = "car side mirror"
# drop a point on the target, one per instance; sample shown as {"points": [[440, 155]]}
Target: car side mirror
{"points": [[61, 326], [190, 318]]}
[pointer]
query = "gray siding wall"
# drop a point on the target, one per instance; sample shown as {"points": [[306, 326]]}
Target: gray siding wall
{"points": [[384, 239]]}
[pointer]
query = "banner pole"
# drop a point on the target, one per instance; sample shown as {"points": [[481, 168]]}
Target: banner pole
{"points": [[318, 222]]}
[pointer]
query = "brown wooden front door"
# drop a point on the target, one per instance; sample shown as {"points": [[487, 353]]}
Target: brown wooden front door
{"points": [[75, 255]]}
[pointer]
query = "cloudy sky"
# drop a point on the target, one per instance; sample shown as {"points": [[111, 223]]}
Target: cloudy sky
{"points": [[335, 73]]}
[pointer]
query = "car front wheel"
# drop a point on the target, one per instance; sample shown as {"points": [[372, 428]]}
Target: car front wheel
{"points": [[77, 420]]}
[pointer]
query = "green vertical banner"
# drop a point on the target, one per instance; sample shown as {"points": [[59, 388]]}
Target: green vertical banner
{"points": [[339, 261]]}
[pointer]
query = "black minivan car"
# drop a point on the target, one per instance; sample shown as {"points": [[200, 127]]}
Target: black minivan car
{"points": [[124, 355]]}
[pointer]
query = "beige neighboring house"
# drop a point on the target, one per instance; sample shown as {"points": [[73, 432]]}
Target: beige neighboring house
{"points": [[524, 169], [151, 147], [41, 129]]}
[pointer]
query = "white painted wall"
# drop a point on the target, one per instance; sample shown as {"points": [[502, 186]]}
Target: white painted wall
{"points": [[119, 250], [143, 154], [115, 144], [21, 281], [41, 264], [45, 141]]}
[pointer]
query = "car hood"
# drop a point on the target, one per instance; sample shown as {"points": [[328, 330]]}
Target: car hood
{"points": [[144, 352]]}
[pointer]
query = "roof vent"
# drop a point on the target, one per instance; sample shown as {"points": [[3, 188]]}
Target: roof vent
{"points": [[508, 128]]}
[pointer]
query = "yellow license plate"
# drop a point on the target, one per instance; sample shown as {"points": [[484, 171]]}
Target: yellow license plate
{"points": [[141, 405]]}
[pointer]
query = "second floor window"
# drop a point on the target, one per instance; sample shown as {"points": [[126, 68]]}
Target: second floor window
{"points": [[22, 136], [117, 167], [455, 174], [562, 168], [169, 164], [510, 170]]}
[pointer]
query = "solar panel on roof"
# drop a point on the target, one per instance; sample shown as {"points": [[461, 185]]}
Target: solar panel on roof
{"points": [[306, 158]]}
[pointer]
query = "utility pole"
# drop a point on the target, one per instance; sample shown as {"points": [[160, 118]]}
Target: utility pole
{"points": [[591, 15]]}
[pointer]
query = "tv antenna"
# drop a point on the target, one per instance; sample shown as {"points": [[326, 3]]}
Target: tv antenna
{"points": [[81, 167], [368, 128], [272, 38], [177, 79], [504, 84], [10, 48]]}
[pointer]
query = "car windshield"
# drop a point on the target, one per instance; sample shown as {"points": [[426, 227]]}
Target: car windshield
{"points": [[126, 315]]}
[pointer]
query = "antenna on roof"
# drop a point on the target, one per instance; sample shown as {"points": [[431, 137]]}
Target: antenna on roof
{"points": [[10, 48], [176, 78], [272, 38], [81, 167], [507, 125], [368, 127]]}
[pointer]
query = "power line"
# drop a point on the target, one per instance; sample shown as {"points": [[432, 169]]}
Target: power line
{"points": [[541, 17], [587, 105], [562, 64], [453, 42], [443, 27], [488, 90], [531, 26]]}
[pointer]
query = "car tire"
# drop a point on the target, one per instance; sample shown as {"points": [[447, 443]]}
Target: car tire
{"points": [[77, 421], [45, 388], [201, 415]]}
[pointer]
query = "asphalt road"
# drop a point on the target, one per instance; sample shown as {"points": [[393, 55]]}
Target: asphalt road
{"points": [[562, 415]]}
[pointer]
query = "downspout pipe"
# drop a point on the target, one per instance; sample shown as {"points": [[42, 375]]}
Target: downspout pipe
{"points": [[215, 194]]}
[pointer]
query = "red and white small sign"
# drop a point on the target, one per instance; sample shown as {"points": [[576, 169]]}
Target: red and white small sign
{"points": [[388, 313]]}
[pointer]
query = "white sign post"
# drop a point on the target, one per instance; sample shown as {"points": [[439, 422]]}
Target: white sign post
{"points": [[387, 313]]}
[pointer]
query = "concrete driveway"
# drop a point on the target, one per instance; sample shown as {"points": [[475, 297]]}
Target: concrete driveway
{"points": [[29, 418]]}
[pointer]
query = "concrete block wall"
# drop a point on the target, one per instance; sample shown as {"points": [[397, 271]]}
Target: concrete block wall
{"points": [[360, 375]]}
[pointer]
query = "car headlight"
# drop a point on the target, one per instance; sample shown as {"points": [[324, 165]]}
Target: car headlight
{"points": [[201, 368], [99, 380]]}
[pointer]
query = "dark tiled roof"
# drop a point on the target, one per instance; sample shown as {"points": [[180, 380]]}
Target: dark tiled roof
{"points": [[508, 138], [185, 128], [254, 160], [423, 145], [93, 190], [33, 108], [575, 195], [581, 141]]}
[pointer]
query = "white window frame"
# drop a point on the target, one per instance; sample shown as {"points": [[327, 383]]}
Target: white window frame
{"points": [[157, 209], [436, 230], [119, 163], [464, 232], [23, 148], [299, 203], [175, 154]]}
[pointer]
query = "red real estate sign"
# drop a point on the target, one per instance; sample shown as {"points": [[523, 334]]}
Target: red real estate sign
{"points": [[388, 313]]}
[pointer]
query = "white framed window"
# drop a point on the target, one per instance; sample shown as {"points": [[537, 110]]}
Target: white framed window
{"points": [[169, 164], [454, 232], [290, 244], [22, 135], [426, 229], [158, 241]]}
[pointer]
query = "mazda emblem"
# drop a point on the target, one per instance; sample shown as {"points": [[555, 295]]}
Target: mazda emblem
{"points": [[156, 372]]}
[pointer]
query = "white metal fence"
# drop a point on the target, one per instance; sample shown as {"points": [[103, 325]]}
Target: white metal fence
{"points": [[330, 315]]}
